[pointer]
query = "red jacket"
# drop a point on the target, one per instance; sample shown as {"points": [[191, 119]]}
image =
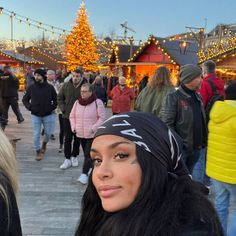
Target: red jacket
{"points": [[206, 90], [121, 99]]}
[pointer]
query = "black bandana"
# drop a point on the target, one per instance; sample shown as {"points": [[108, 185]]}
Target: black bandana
{"points": [[150, 133]]}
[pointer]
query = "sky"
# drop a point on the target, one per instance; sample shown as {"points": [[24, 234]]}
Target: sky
{"points": [[160, 18]]}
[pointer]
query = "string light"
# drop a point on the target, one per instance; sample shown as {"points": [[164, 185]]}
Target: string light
{"points": [[31, 22], [152, 39], [221, 49]]}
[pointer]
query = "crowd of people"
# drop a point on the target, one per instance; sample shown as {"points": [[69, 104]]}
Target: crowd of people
{"points": [[148, 164]]}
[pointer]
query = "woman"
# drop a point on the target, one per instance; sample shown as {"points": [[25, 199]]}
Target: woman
{"points": [[139, 186], [86, 116], [122, 97], [9, 215], [153, 95], [99, 89]]}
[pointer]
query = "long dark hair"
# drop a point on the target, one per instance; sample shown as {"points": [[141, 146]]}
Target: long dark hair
{"points": [[165, 205]]}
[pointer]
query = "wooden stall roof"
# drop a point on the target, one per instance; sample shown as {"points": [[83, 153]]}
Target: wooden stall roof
{"points": [[172, 48], [20, 57]]}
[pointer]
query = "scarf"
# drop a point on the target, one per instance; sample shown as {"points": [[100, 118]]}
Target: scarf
{"points": [[85, 102]]}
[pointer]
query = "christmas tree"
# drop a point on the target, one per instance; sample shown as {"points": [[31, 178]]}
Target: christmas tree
{"points": [[81, 44]]}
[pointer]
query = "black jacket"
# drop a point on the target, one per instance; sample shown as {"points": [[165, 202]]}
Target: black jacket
{"points": [[9, 85], [177, 113], [14, 228], [100, 93], [40, 99]]}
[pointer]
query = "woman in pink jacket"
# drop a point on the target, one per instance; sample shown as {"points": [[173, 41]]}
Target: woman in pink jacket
{"points": [[87, 114]]}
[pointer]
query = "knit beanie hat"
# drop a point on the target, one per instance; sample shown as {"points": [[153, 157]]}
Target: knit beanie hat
{"points": [[151, 134], [188, 73], [230, 92], [41, 72]]}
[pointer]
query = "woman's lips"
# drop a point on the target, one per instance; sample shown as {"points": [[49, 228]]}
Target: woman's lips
{"points": [[108, 191]]}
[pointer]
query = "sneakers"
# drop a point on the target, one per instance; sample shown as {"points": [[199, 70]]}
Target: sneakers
{"points": [[60, 148], [74, 161], [66, 164], [83, 179], [38, 156]]}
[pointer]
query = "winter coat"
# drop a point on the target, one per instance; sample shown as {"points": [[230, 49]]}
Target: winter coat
{"points": [[221, 152], [40, 99], [177, 113], [67, 96], [206, 90], [10, 86], [121, 99], [85, 120], [100, 93], [151, 100]]}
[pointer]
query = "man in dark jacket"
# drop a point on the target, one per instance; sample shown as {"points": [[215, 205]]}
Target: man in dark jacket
{"points": [[9, 90], [183, 112], [66, 98], [41, 100]]}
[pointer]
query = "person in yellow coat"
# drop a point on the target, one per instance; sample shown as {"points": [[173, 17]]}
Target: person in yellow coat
{"points": [[221, 158]]}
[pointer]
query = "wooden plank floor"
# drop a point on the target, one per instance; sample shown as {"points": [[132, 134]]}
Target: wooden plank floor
{"points": [[49, 198]]}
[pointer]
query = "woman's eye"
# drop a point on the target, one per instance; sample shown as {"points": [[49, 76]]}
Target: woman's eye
{"points": [[121, 155], [96, 161]]}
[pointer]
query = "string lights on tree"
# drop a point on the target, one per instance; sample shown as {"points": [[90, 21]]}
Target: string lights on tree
{"points": [[81, 47]]}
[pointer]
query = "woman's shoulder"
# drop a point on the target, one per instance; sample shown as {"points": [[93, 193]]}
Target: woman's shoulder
{"points": [[99, 101]]}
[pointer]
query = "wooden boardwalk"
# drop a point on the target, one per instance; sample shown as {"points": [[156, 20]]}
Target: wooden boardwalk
{"points": [[49, 198]]}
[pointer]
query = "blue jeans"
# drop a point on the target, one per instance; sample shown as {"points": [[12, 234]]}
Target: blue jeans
{"points": [[37, 122], [225, 204], [54, 118], [200, 169]]}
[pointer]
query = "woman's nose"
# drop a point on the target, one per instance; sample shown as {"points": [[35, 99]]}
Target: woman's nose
{"points": [[104, 171]]}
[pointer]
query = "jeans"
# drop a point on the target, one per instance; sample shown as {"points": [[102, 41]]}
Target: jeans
{"points": [[199, 169], [54, 117], [190, 158], [225, 204], [37, 122]]}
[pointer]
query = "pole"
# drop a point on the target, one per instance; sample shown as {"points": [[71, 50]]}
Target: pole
{"points": [[131, 40], [12, 44]]}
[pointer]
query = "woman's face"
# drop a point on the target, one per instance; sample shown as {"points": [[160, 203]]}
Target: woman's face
{"points": [[85, 93], [117, 173]]}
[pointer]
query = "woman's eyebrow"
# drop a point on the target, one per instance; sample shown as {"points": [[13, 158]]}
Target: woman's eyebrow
{"points": [[113, 145]]}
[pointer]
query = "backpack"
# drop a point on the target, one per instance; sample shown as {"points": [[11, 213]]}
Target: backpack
{"points": [[215, 97]]}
